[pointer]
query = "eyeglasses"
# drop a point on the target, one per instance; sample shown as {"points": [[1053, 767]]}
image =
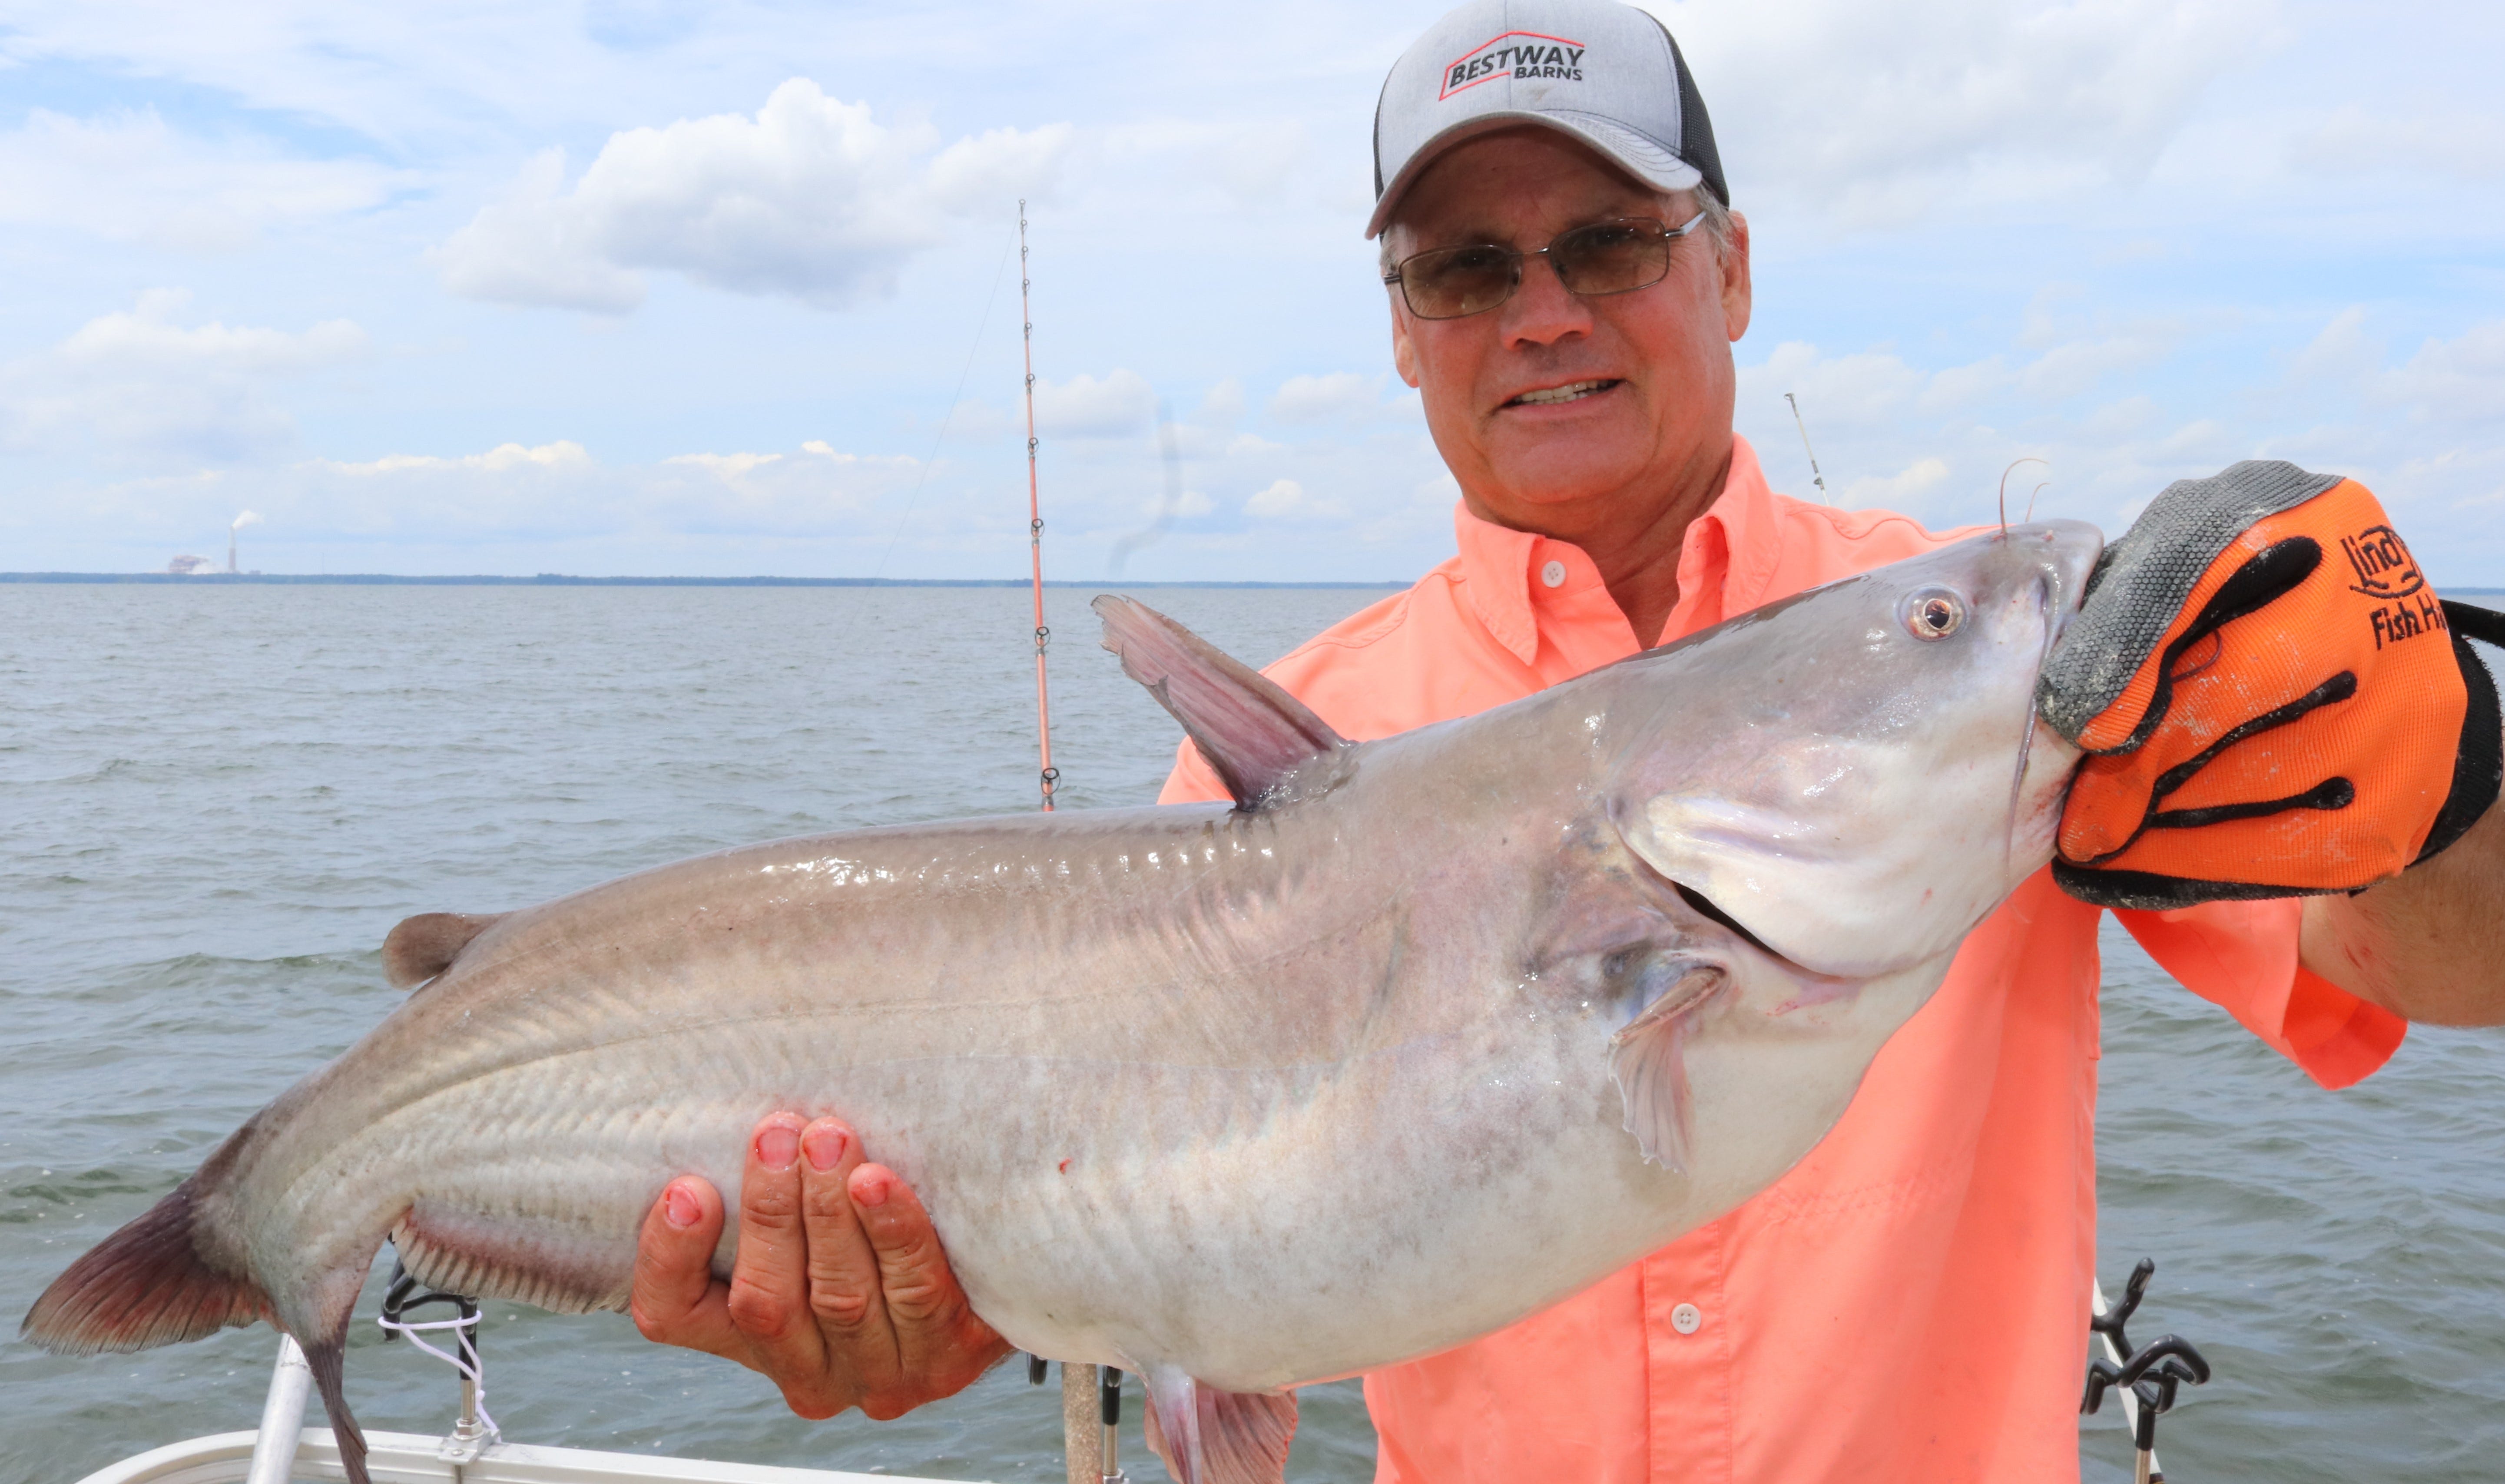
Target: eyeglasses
{"points": [[1619, 257]]}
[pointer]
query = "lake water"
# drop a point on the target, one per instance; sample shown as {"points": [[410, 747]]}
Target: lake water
{"points": [[215, 802]]}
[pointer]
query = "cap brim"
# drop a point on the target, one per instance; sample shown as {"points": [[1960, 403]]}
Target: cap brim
{"points": [[1634, 152]]}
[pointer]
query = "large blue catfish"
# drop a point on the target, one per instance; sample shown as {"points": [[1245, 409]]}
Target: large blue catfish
{"points": [[1234, 1096]]}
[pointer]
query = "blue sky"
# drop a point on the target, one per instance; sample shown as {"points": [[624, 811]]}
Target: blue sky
{"points": [[644, 286]]}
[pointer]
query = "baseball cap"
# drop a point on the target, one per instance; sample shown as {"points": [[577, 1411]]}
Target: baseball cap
{"points": [[1606, 73]]}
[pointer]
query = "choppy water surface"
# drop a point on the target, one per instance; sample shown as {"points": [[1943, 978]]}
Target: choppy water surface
{"points": [[215, 803]]}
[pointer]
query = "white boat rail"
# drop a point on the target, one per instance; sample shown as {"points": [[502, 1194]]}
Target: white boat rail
{"points": [[283, 1449], [411, 1457]]}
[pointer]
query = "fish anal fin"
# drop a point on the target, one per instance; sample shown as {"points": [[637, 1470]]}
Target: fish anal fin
{"points": [[1267, 745], [1209, 1437], [423, 946], [482, 1256], [1649, 1061]]}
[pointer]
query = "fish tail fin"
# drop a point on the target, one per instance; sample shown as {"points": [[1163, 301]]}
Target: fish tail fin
{"points": [[168, 1276], [149, 1284], [153, 1283]]}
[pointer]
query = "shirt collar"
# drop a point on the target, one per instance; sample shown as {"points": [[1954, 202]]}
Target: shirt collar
{"points": [[1725, 562]]}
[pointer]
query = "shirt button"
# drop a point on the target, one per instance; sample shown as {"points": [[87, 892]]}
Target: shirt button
{"points": [[1553, 575], [1686, 1318]]}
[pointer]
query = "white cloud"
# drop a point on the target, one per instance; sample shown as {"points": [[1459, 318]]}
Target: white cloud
{"points": [[1223, 405], [1287, 500], [2460, 145], [1261, 160], [729, 466], [981, 175], [558, 486], [2342, 353], [2458, 379], [1907, 486], [128, 177], [1313, 398], [2075, 366], [1282, 498], [145, 341], [1339, 396], [1084, 406], [812, 200], [1860, 390], [1877, 110], [564, 454], [139, 385], [536, 247]]}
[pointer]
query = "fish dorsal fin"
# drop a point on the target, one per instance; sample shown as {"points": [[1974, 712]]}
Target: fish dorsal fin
{"points": [[425, 945], [1266, 745]]}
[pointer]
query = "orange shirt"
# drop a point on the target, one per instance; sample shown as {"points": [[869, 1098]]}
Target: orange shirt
{"points": [[1910, 1302]]}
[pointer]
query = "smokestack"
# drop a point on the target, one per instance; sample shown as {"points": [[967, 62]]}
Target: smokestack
{"points": [[240, 522]]}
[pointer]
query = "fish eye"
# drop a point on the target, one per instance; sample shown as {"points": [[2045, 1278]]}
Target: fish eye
{"points": [[1933, 613]]}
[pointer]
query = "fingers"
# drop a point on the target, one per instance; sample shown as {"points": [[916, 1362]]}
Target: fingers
{"points": [[676, 1300], [940, 1345], [841, 1291], [770, 1280], [843, 1271]]}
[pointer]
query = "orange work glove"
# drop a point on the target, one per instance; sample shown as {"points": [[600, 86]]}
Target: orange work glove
{"points": [[2272, 700]]}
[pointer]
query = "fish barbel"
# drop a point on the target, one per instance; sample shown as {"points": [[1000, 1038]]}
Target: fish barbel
{"points": [[1237, 1097]]}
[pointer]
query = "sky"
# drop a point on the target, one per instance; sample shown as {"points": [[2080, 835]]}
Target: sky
{"points": [[665, 287]]}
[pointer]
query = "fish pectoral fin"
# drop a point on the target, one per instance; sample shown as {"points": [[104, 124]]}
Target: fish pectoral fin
{"points": [[423, 946], [1210, 1437], [1263, 742], [1649, 1061]]}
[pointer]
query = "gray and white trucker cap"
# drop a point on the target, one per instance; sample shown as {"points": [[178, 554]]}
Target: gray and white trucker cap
{"points": [[1605, 73]]}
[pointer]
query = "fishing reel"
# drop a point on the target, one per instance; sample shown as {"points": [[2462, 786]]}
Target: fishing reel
{"points": [[2147, 1377]]}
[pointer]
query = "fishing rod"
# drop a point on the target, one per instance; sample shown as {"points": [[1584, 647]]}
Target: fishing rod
{"points": [[1814, 477], [1091, 1404], [1034, 530]]}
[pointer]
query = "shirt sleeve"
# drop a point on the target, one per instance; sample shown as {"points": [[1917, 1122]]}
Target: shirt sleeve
{"points": [[2241, 956], [1193, 781]]}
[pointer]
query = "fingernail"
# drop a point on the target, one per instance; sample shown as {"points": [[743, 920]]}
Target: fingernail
{"points": [[871, 1190], [678, 1208], [825, 1148], [777, 1148]]}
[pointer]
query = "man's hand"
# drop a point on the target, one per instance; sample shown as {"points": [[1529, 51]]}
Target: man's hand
{"points": [[2271, 699], [839, 1295]]}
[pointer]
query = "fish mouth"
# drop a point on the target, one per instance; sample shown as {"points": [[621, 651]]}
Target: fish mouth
{"points": [[1706, 908], [1559, 395], [2060, 590]]}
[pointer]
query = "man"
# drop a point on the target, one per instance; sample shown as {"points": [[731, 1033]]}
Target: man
{"points": [[1535, 161]]}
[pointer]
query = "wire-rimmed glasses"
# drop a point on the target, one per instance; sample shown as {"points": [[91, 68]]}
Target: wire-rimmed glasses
{"points": [[1614, 257]]}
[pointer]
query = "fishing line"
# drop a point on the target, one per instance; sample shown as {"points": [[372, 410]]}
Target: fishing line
{"points": [[915, 498], [1168, 507], [471, 1369], [2004, 487]]}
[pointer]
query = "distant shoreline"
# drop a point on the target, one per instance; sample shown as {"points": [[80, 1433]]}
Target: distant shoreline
{"points": [[559, 580]]}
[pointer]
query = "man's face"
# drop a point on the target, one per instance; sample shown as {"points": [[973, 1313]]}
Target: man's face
{"points": [[1548, 401]]}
